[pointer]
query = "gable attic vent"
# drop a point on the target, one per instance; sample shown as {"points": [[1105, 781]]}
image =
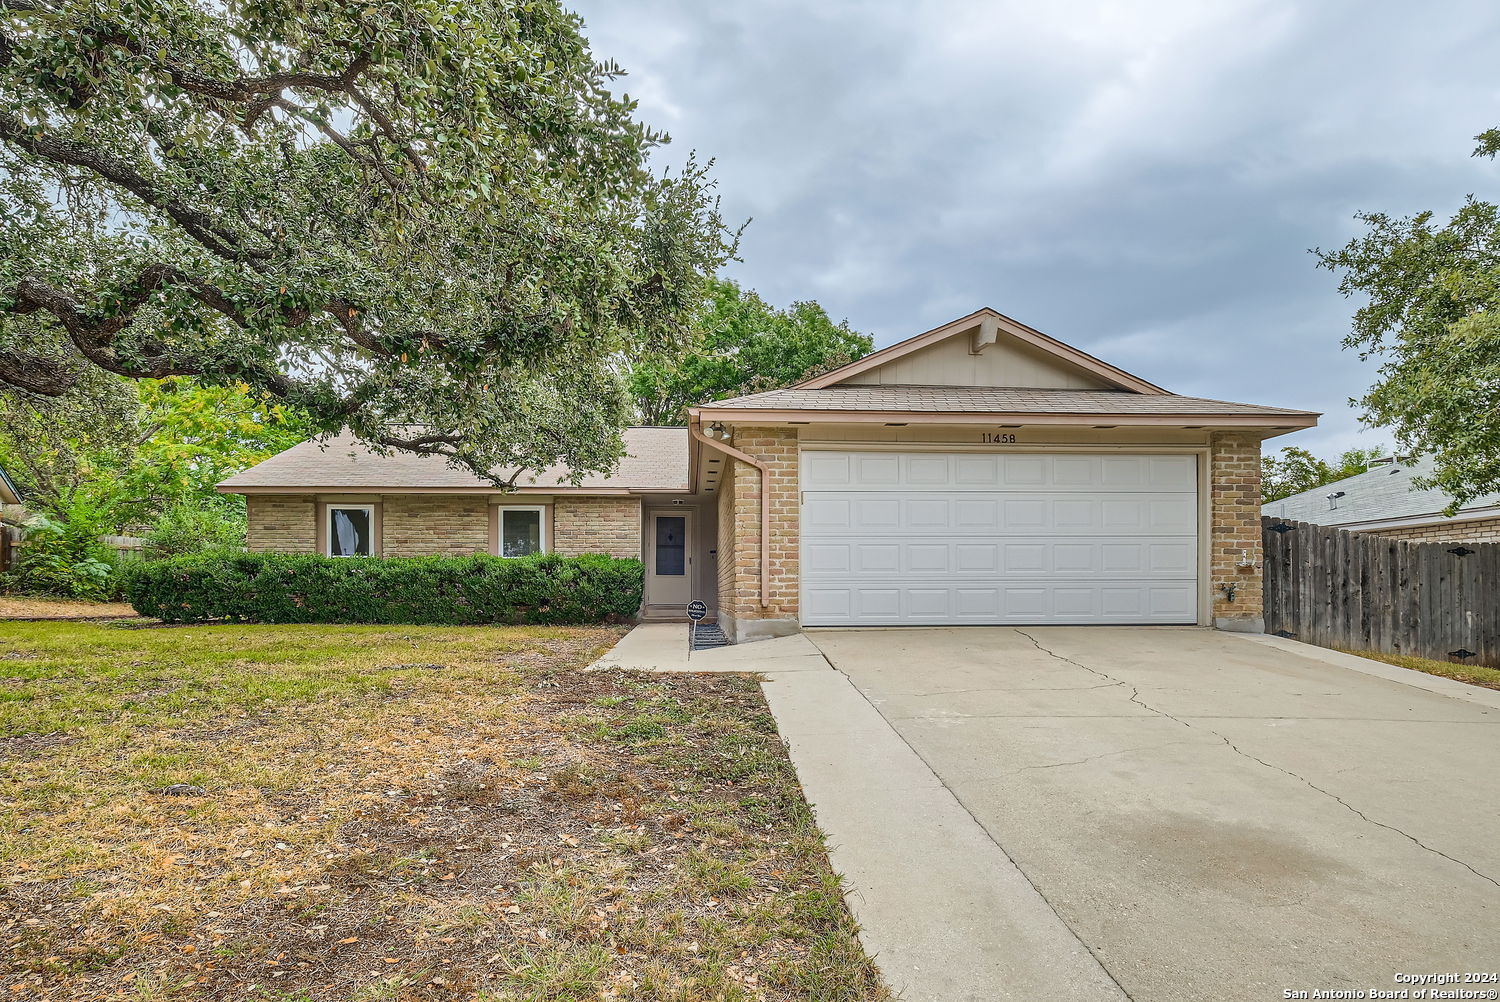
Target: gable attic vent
{"points": [[986, 334]]}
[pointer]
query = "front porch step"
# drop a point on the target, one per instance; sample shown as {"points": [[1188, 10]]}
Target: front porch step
{"points": [[708, 637]]}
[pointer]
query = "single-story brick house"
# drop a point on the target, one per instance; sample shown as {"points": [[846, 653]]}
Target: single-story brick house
{"points": [[980, 473], [1383, 501]]}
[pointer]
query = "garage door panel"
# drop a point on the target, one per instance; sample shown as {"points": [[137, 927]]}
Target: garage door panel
{"points": [[928, 513], [1024, 558], [825, 559], [828, 469], [824, 512], [877, 469], [931, 538], [978, 471], [859, 513], [928, 471], [982, 472], [970, 514], [878, 604], [1110, 557], [1024, 471], [976, 602], [929, 558]]}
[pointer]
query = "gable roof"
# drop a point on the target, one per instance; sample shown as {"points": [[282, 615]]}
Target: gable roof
{"points": [[656, 459], [1000, 405], [1381, 493], [985, 318], [989, 400]]}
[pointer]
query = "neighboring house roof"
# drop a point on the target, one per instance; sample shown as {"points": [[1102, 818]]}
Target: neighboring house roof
{"points": [[9, 493], [992, 400], [656, 459], [1379, 496]]}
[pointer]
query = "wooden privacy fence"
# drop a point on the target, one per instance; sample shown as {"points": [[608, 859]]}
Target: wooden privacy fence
{"points": [[1357, 591], [125, 547]]}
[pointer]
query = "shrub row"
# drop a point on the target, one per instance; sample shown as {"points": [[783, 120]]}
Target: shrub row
{"points": [[456, 591]]}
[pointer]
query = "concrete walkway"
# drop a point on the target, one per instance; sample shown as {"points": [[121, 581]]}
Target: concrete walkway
{"points": [[945, 912], [664, 647]]}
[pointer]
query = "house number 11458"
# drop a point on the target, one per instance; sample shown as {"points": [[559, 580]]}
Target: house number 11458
{"points": [[992, 438]]}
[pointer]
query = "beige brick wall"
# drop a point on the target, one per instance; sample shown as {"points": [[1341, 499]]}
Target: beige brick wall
{"points": [[280, 523], [413, 525], [609, 525], [1479, 530], [1234, 518], [424, 525], [739, 514]]}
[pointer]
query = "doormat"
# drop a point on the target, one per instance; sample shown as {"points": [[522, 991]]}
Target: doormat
{"points": [[709, 636]]}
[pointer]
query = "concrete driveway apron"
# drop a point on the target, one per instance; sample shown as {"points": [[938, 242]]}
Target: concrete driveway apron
{"points": [[1213, 817]]}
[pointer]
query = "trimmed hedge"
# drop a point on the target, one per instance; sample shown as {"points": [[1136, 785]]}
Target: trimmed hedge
{"points": [[448, 591]]}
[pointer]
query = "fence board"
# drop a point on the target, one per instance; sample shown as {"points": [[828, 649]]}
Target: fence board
{"points": [[1335, 588]]}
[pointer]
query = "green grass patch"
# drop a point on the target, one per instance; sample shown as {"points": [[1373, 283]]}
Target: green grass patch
{"points": [[1488, 678]]}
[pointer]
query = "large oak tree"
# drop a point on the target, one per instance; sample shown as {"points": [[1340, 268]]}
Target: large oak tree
{"points": [[428, 221]]}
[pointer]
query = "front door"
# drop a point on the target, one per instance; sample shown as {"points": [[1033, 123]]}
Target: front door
{"points": [[669, 559]]}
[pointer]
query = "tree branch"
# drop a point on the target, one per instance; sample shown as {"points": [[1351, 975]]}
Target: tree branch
{"points": [[434, 445], [55, 149], [37, 374]]}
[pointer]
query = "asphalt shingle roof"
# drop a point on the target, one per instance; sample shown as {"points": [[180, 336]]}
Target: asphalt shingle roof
{"points": [[990, 399], [1381, 492], [655, 459]]}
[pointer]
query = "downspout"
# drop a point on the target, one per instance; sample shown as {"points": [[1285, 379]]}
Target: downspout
{"points": [[695, 429]]}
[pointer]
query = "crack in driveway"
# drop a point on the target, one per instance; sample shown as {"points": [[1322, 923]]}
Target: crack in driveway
{"points": [[1135, 693], [1109, 754], [1009, 688]]}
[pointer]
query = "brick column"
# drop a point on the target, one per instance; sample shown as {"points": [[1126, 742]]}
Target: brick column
{"points": [[1234, 485], [740, 610]]}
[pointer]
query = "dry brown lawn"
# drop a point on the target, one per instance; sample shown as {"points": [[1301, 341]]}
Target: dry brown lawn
{"points": [[23, 607], [399, 813]]}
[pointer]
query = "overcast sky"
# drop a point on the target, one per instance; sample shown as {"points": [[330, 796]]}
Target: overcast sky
{"points": [[1140, 179]]}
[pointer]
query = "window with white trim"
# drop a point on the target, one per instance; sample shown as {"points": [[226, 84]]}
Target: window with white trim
{"points": [[522, 531], [351, 530]]}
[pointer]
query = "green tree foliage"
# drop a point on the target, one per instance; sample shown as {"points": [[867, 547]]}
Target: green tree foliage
{"points": [[1297, 470], [63, 556], [51, 445], [1432, 315], [744, 345], [139, 450], [193, 436], [430, 222]]}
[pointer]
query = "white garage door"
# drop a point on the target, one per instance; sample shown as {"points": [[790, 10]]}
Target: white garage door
{"points": [[921, 538]]}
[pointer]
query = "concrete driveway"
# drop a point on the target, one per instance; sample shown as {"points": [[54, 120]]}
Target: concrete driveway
{"points": [[1213, 817]]}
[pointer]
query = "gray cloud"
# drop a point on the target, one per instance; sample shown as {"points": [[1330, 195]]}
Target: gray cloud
{"points": [[1140, 179]]}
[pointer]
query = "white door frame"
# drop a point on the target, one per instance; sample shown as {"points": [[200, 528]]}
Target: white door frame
{"points": [[689, 538]]}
